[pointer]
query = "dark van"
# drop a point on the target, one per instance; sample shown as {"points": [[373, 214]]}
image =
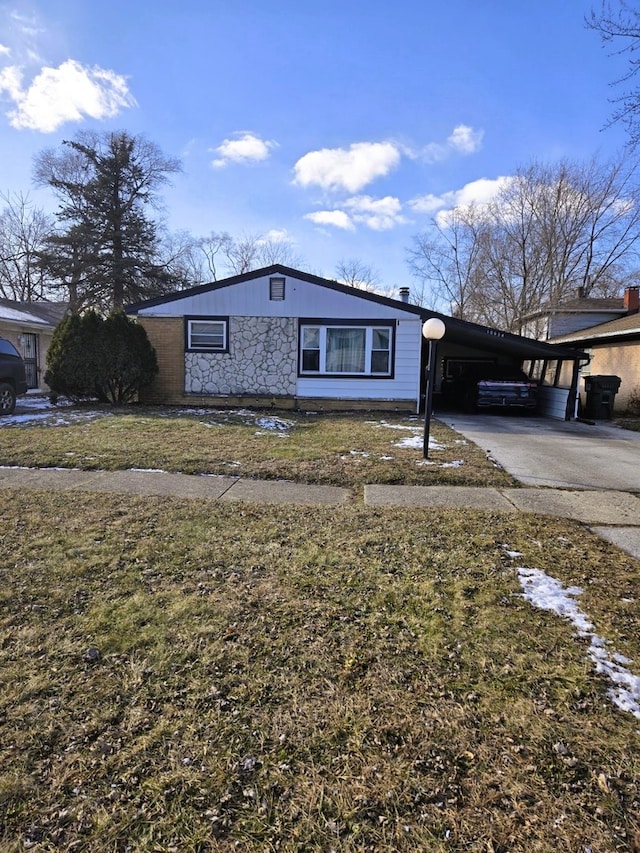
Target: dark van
{"points": [[13, 377]]}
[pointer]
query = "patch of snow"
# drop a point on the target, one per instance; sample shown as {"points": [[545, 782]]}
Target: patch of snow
{"points": [[386, 424], [455, 464], [276, 424], [547, 593], [148, 471], [34, 468], [39, 410], [412, 441], [416, 441]]}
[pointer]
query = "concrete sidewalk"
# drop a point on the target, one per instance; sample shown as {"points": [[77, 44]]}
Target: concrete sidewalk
{"points": [[613, 515]]}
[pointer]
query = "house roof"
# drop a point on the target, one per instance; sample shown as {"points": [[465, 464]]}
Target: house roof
{"points": [[494, 340], [45, 314], [457, 331], [580, 305], [623, 327]]}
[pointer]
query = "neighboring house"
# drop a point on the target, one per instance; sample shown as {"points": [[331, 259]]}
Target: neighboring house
{"points": [[278, 336], [614, 348], [582, 312], [29, 326]]}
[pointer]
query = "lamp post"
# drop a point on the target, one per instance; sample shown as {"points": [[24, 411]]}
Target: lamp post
{"points": [[432, 330]]}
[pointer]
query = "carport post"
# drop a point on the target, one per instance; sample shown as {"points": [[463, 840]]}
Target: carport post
{"points": [[432, 331]]}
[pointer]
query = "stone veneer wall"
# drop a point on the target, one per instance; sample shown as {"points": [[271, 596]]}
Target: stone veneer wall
{"points": [[262, 359]]}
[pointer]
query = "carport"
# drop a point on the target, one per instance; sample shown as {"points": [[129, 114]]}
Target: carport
{"points": [[555, 366]]}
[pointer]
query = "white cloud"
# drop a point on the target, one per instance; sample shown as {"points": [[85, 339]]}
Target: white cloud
{"points": [[462, 140], [4, 50], [245, 148], [347, 169], [465, 139], [428, 203], [379, 214], [477, 193], [11, 82], [66, 93], [276, 235], [337, 218]]}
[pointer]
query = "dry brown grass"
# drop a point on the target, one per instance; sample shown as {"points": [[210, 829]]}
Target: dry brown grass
{"points": [[286, 679], [339, 449]]}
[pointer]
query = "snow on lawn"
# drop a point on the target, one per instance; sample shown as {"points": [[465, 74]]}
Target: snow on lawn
{"points": [[277, 425], [548, 593], [40, 411], [415, 441]]}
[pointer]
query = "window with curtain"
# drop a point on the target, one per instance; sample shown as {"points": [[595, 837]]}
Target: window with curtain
{"points": [[335, 349]]}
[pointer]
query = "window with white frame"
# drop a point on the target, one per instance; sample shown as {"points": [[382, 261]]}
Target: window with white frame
{"points": [[345, 349], [208, 335]]}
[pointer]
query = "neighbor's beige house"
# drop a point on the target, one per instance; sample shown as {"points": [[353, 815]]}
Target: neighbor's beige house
{"points": [[614, 348]]}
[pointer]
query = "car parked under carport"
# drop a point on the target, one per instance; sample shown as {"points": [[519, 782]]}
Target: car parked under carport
{"points": [[555, 368]]}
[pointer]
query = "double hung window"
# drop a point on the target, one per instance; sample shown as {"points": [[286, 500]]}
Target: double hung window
{"points": [[345, 349], [207, 335]]}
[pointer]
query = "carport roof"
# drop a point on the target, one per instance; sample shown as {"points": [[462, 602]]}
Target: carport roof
{"points": [[494, 340]]}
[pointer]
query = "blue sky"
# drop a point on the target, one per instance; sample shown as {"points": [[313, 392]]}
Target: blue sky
{"points": [[340, 126]]}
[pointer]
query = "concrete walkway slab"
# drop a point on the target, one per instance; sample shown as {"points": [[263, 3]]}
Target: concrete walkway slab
{"points": [[45, 478], [590, 507], [159, 483], [280, 492], [446, 496], [625, 538], [166, 484]]}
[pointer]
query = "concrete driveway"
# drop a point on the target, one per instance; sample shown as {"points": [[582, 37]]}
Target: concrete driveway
{"points": [[561, 454]]}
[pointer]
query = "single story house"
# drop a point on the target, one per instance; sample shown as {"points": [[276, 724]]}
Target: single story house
{"points": [[29, 326], [278, 336]]}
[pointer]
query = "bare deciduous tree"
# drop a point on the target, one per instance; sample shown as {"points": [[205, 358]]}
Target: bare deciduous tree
{"points": [[620, 29], [253, 251], [446, 257], [23, 230], [358, 274], [550, 229]]}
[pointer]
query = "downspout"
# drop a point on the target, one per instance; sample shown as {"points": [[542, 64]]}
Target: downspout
{"points": [[572, 396]]}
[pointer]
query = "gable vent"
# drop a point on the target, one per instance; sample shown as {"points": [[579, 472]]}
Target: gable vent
{"points": [[276, 289]]}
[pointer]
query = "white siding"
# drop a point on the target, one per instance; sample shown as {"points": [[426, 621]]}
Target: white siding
{"points": [[553, 401], [251, 299]]}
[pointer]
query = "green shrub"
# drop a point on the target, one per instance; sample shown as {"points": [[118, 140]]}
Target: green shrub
{"points": [[109, 359]]}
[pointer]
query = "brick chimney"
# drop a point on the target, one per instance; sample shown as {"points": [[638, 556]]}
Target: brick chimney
{"points": [[631, 300]]}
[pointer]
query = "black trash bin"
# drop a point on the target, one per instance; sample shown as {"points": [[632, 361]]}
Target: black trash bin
{"points": [[601, 394]]}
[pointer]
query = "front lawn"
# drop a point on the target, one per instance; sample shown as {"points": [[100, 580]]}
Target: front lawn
{"points": [[194, 676], [338, 449]]}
